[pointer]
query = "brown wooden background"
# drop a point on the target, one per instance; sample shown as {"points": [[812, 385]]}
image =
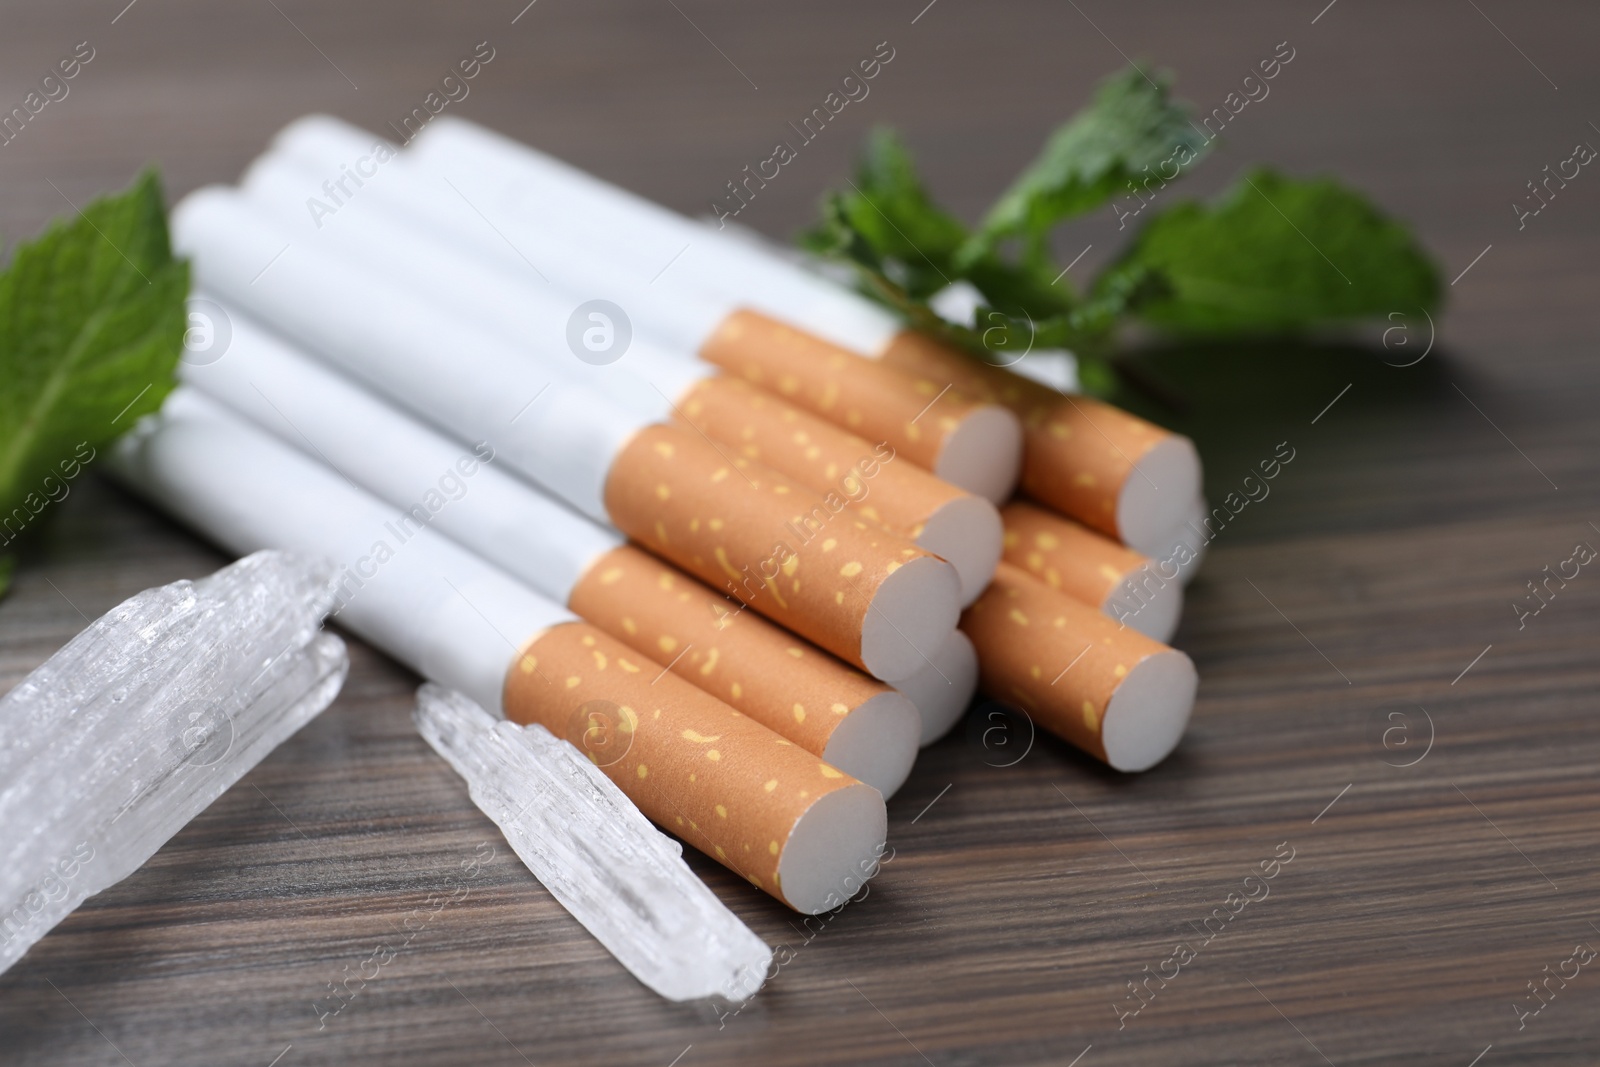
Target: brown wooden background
{"points": [[1021, 898]]}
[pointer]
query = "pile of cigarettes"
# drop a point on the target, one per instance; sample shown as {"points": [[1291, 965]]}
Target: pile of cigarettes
{"points": [[723, 524]]}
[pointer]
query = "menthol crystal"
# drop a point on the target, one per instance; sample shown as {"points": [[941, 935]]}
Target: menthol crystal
{"points": [[623, 879], [142, 720]]}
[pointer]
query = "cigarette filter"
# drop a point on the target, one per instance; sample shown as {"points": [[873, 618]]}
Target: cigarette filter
{"points": [[767, 809], [943, 689], [795, 689], [870, 731], [1107, 689], [1112, 471], [851, 587], [899, 496], [1066, 556], [1185, 545], [936, 426], [881, 604]]}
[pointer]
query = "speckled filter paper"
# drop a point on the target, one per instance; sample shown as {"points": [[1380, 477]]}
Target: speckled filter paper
{"points": [[1066, 555], [1054, 657], [788, 685], [899, 496], [694, 765], [876, 399], [741, 528]]}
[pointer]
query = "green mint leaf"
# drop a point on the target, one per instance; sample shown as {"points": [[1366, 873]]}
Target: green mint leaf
{"points": [[1023, 310], [1129, 133], [887, 209], [887, 223], [1033, 287], [1278, 254], [91, 326]]}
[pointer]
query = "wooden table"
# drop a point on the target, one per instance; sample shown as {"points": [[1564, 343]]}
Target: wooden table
{"points": [[1368, 700]]}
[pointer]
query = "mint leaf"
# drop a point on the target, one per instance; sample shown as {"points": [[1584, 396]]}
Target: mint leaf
{"points": [[91, 326], [1275, 255], [887, 223], [1279, 254], [887, 207], [1131, 131], [892, 282]]}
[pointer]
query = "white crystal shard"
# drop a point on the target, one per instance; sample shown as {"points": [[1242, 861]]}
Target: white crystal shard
{"points": [[142, 720], [618, 875]]}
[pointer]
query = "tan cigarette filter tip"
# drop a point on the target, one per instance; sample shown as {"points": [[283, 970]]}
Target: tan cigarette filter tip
{"points": [[858, 724], [1107, 689], [976, 445], [862, 593], [1068, 556], [1183, 548], [943, 689], [764, 807], [879, 485], [1113, 471]]}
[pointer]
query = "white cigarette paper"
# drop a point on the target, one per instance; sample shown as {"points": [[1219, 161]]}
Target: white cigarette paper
{"points": [[417, 595]]}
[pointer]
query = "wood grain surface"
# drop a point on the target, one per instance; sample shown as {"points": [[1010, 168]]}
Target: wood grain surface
{"points": [[1367, 702]]}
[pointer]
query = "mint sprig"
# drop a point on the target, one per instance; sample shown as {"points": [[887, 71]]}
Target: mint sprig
{"points": [[1274, 255], [1130, 133], [91, 327]]}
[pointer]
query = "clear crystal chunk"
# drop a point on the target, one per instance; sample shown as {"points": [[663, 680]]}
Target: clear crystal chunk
{"points": [[114, 743], [602, 860]]}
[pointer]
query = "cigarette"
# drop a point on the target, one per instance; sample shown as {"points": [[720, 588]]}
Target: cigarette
{"points": [[765, 808], [1183, 548], [1131, 588], [869, 597], [1107, 689], [936, 426], [859, 725], [609, 244], [956, 525], [1110, 470], [777, 815], [1115, 473]]}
